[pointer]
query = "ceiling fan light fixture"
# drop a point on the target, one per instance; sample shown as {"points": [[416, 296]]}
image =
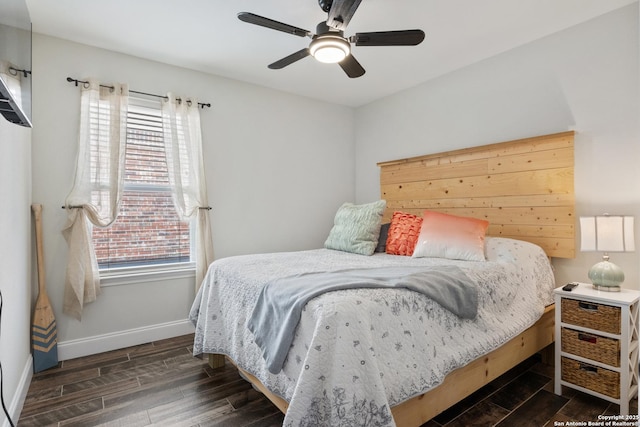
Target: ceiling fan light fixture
{"points": [[329, 49]]}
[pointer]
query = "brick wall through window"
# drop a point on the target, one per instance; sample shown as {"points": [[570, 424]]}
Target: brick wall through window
{"points": [[147, 229]]}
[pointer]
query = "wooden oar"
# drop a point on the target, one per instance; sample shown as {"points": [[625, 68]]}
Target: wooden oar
{"points": [[44, 332]]}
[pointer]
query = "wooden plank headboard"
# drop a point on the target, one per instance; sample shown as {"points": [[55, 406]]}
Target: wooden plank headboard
{"points": [[524, 188]]}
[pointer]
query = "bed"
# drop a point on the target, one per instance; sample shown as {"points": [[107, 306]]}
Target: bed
{"points": [[395, 356]]}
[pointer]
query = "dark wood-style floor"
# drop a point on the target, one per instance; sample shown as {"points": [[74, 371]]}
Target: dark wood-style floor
{"points": [[161, 383]]}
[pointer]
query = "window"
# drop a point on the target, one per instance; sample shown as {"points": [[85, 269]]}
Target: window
{"points": [[147, 233]]}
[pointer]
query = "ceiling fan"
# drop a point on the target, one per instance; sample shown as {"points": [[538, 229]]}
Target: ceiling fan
{"points": [[329, 43]]}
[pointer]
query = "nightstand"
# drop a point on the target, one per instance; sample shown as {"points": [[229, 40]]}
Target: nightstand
{"points": [[596, 348]]}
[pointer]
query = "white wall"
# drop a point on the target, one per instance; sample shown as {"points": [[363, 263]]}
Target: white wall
{"points": [[585, 78], [15, 264], [274, 178]]}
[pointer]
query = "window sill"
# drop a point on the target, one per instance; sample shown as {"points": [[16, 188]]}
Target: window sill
{"points": [[129, 276]]}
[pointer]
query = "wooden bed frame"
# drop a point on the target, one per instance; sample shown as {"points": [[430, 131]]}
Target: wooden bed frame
{"points": [[524, 188]]}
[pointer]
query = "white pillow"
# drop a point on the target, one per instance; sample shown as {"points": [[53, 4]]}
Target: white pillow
{"points": [[450, 236]]}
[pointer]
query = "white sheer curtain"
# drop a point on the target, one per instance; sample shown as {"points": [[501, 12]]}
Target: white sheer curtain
{"points": [[97, 189], [183, 145]]}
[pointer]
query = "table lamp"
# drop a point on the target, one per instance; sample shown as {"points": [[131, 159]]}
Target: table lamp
{"points": [[607, 233]]}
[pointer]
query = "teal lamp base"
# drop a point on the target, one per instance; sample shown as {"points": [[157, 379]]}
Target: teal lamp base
{"points": [[606, 276]]}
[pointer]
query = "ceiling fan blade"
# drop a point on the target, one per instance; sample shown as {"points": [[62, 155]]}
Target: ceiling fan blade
{"points": [[288, 60], [352, 67], [341, 13], [389, 38], [252, 18]]}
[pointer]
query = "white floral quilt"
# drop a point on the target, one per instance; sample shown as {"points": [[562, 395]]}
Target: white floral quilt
{"points": [[358, 352]]}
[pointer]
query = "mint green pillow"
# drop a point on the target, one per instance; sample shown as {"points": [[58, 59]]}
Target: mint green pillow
{"points": [[356, 228]]}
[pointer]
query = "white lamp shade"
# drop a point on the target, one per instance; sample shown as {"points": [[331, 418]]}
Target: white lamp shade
{"points": [[629, 237], [588, 234], [609, 233]]}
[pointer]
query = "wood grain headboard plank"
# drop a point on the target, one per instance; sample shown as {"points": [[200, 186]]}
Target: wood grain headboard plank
{"points": [[524, 188], [544, 159], [553, 231], [529, 216], [488, 202], [531, 182], [520, 146], [552, 159]]}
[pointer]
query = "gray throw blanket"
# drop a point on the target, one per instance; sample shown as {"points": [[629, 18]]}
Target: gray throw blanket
{"points": [[277, 311]]}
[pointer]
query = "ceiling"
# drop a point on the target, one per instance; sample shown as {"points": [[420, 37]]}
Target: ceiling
{"points": [[206, 35]]}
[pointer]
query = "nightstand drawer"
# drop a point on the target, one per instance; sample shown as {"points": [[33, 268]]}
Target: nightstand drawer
{"points": [[591, 377], [591, 315], [591, 346]]}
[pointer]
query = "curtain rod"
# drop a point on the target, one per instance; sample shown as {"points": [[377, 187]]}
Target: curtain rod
{"points": [[207, 208], [86, 83], [15, 71]]}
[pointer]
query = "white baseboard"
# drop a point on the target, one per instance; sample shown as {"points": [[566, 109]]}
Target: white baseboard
{"points": [[117, 340], [17, 403]]}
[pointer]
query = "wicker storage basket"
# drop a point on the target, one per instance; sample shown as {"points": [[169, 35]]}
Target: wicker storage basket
{"points": [[591, 315], [591, 377], [591, 346]]}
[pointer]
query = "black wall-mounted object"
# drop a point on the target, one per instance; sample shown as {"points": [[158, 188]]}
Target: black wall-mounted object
{"points": [[15, 59]]}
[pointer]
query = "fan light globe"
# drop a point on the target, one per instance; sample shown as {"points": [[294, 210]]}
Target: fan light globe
{"points": [[329, 49]]}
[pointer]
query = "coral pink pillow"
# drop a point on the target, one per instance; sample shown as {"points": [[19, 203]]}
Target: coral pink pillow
{"points": [[404, 230], [449, 236]]}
